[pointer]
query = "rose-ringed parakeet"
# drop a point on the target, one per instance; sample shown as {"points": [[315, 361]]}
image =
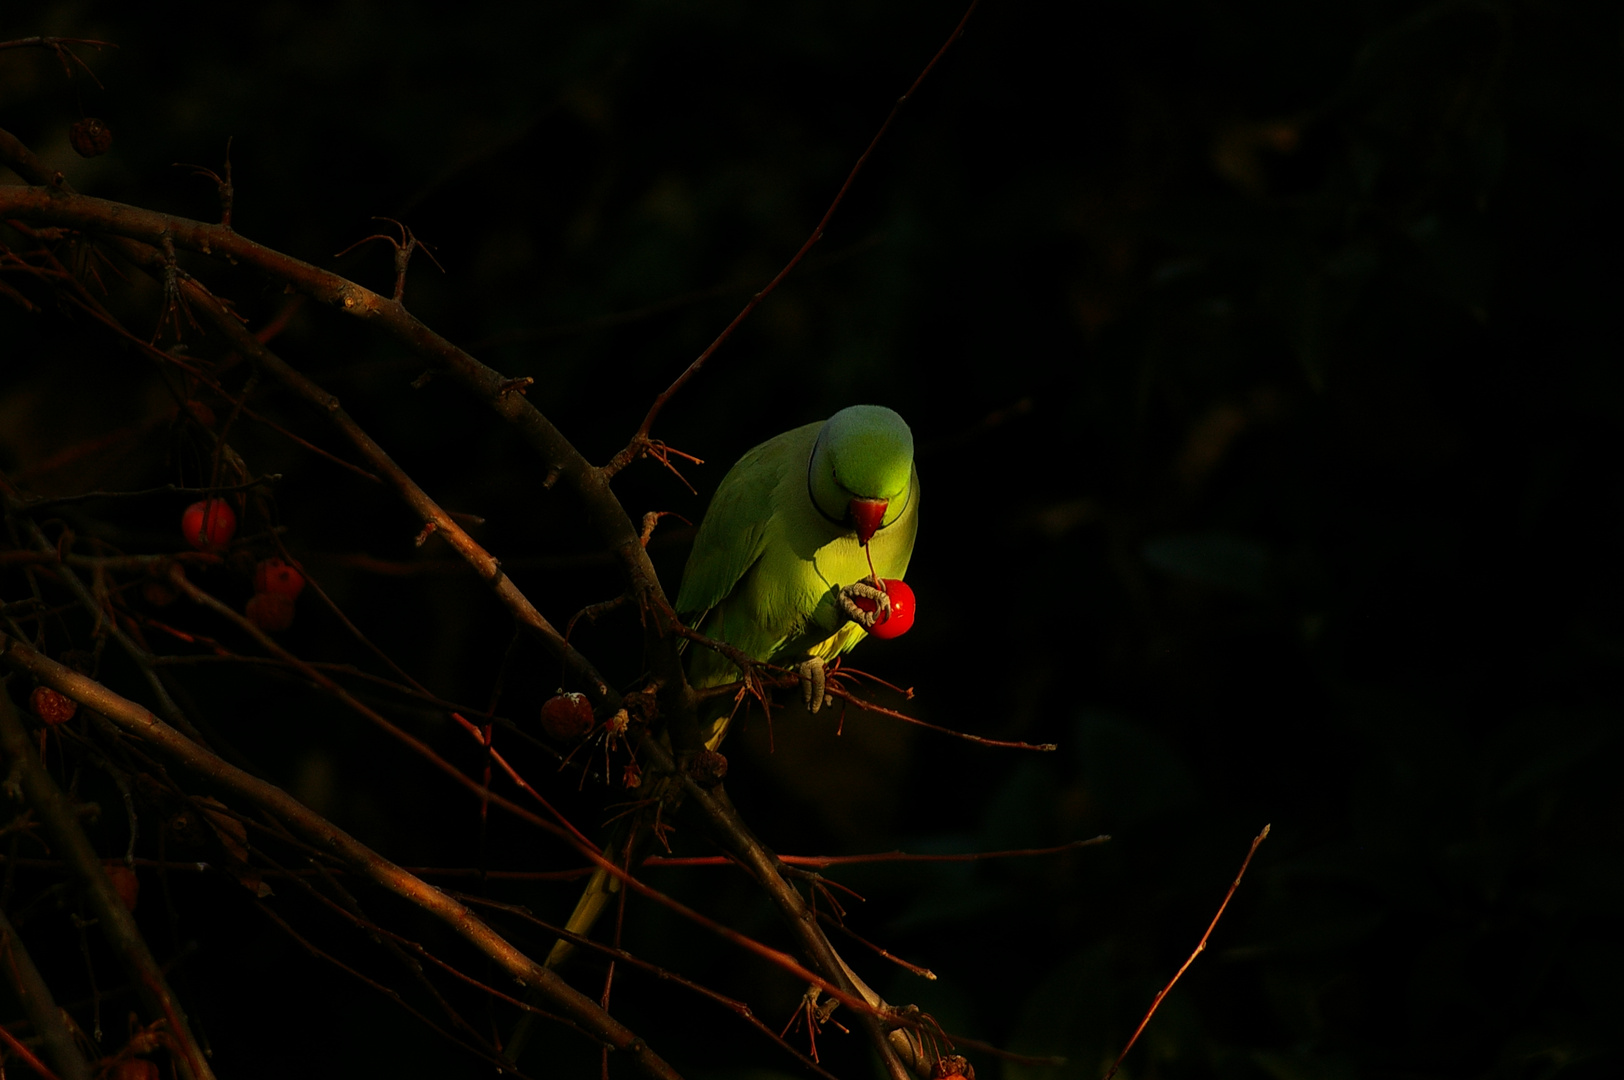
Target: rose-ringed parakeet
{"points": [[780, 559], [779, 564]]}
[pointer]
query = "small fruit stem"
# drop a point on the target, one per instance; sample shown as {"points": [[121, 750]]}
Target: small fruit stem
{"points": [[882, 614]]}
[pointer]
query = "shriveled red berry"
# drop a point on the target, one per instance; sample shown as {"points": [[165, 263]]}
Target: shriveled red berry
{"points": [[707, 768], [270, 612], [90, 137], [901, 618], [125, 883], [52, 707], [209, 525], [276, 577], [567, 717]]}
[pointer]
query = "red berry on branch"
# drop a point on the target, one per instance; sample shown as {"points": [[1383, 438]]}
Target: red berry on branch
{"points": [[567, 717], [52, 707], [273, 576], [125, 883], [270, 612], [209, 525], [901, 618]]}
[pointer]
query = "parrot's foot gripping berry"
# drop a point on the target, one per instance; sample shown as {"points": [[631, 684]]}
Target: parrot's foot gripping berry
{"points": [[851, 602], [894, 617]]}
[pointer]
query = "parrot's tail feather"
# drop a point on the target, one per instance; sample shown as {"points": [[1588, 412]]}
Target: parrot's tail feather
{"points": [[594, 898]]}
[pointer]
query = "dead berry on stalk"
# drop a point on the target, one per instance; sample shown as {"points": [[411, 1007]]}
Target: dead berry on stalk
{"points": [[566, 717], [52, 707], [90, 137]]}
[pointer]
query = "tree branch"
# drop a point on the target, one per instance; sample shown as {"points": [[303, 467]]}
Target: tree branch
{"points": [[116, 924], [328, 838]]}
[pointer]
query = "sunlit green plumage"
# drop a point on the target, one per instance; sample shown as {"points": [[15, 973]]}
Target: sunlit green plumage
{"points": [[775, 549], [776, 545]]}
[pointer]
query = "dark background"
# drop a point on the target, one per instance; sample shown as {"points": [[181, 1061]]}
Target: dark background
{"points": [[1264, 364]]}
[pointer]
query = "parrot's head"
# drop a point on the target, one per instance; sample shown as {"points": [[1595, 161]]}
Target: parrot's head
{"points": [[861, 470]]}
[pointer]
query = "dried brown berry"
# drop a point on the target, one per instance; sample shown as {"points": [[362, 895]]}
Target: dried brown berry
{"points": [[52, 707], [125, 883], [270, 612], [631, 777], [567, 717], [707, 768], [90, 137]]}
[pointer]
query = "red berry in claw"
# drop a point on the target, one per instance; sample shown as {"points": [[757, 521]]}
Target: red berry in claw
{"points": [[276, 577], [209, 525], [901, 618], [52, 707], [567, 717], [270, 612], [134, 1069]]}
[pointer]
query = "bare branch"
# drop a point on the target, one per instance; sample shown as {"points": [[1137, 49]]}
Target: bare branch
{"points": [[117, 926], [328, 838], [1200, 946]]}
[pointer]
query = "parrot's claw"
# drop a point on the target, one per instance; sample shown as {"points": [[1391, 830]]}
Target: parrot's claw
{"points": [[813, 681], [862, 589]]}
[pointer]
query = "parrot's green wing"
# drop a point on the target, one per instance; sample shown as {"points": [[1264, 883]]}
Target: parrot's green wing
{"points": [[735, 530]]}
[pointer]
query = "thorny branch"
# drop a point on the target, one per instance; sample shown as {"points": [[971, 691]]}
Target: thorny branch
{"points": [[68, 839], [150, 240], [332, 841]]}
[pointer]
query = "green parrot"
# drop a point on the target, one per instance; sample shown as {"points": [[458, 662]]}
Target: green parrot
{"points": [[780, 562]]}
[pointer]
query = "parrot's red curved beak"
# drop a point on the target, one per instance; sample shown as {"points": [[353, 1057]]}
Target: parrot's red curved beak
{"points": [[866, 515]]}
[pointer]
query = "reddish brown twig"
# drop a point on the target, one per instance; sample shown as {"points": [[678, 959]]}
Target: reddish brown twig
{"points": [[404, 248], [59, 45], [25, 1054], [35, 997], [1258, 839], [869, 706], [641, 438], [821, 861], [334, 842]]}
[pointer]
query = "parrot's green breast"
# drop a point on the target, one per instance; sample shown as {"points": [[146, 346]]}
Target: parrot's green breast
{"points": [[768, 563]]}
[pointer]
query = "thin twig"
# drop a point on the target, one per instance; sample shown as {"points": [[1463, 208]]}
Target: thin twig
{"points": [[1154, 1005], [30, 506], [641, 438], [821, 861]]}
